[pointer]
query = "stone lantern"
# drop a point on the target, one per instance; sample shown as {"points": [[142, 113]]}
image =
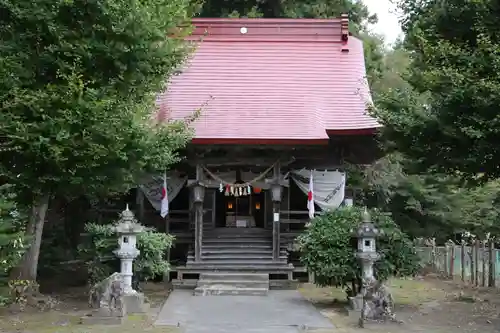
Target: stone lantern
{"points": [[198, 193], [367, 254], [127, 230], [276, 192]]}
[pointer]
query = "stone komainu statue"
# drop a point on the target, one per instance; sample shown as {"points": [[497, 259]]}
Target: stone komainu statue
{"points": [[378, 304], [108, 293]]}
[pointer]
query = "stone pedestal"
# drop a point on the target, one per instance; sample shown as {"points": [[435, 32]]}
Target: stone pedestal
{"points": [[135, 303], [105, 316], [356, 303], [126, 264]]}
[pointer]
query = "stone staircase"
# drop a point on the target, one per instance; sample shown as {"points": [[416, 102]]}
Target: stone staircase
{"points": [[224, 283], [236, 261], [238, 249]]}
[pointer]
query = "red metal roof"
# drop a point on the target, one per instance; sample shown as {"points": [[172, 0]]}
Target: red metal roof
{"points": [[272, 79]]}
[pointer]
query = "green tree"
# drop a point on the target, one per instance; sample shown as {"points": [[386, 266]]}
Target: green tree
{"points": [[328, 249], [78, 80], [290, 9], [455, 52], [97, 252]]}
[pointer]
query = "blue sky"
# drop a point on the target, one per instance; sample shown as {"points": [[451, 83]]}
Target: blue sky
{"points": [[388, 24]]}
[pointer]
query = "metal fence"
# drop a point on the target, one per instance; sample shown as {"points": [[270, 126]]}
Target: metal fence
{"points": [[478, 263]]}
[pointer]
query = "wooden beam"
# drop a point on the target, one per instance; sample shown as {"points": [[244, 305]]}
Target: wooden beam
{"points": [[239, 160], [264, 184]]}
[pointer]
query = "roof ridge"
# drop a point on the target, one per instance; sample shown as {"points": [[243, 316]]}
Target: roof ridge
{"points": [[272, 29]]}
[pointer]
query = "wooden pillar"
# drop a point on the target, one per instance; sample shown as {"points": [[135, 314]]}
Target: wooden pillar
{"points": [[276, 215], [198, 219], [167, 231]]}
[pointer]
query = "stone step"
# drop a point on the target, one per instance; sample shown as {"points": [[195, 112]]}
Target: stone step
{"points": [[231, 250], [235, 230], [208, 234], [233, 240], [222, 264], [184, 283], [237, 257], [230, 291], [200, 268], [250, 250], [226, 246], [232, 276], [203, 283]]}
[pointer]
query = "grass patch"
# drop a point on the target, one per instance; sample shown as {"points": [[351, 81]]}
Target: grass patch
{"points": [[56, 322], [405, 292], [416, 292], [73, 306]]}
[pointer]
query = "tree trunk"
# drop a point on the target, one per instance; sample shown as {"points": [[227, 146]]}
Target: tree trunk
{"points": [[29, 264]]}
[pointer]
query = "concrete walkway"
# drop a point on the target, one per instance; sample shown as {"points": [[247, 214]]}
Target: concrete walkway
{"points": [[279, 312]]}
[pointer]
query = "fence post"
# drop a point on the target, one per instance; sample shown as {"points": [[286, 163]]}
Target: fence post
{"points": [[470, 252], [476, 259], [462, 260], [483, 262], [446, 258], [433, 255], [452, 262], [493, 262]]}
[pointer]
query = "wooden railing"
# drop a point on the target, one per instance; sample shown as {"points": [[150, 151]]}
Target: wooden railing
{"points": [[303, 216]]}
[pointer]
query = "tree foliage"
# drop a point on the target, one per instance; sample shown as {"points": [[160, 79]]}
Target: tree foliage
{"points": [[12, 225], [289, 9], [97, 252], [328, 249], [454, 47], [78, 81], [427, 205]]}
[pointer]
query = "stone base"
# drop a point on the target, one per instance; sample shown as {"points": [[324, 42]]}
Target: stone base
{"points": [[229, 291], [98, 320], [135, 303], [355, 304], [104, 316]]}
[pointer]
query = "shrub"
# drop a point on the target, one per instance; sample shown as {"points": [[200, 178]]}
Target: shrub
{"points": [[102, 241], [328, 249]]}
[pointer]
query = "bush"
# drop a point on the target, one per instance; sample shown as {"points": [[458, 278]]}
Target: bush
{"points": [[328, 249], [102, 241]]}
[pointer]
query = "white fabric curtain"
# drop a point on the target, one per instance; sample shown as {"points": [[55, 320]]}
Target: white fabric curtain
{"points": [[152, 185], [328, 187]]}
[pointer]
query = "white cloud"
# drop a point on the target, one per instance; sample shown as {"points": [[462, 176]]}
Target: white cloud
{"points": [[388, 24]]}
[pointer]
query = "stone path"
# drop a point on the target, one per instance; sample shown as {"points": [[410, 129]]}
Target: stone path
{"points": [[278, 312]]}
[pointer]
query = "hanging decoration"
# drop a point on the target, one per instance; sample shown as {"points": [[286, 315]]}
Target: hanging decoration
{"points": [[238, 189]]}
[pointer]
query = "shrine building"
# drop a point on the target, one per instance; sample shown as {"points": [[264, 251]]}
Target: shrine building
{"points": [[280, 99]]}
